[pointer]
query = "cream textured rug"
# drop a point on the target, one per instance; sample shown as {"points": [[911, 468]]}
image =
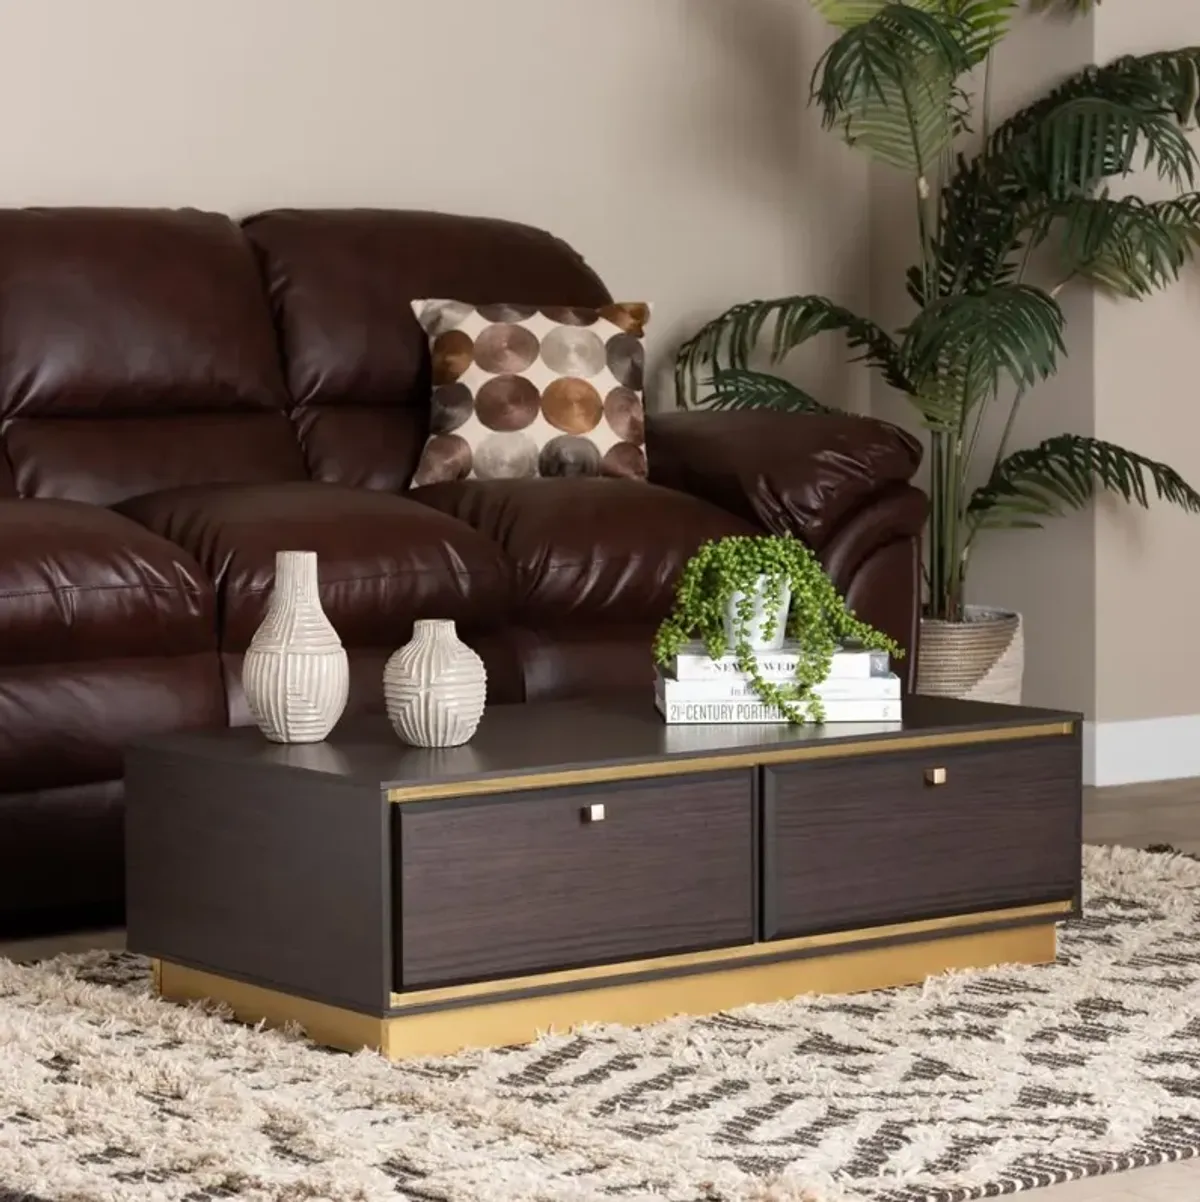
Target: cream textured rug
{"points": [[974, 1086]]}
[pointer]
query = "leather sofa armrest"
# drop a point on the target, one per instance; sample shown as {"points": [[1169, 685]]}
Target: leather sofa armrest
{"points": [[8, 487], [799, 474]]}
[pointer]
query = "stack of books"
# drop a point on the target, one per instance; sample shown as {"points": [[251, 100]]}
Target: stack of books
{"points": [[696, 689]]}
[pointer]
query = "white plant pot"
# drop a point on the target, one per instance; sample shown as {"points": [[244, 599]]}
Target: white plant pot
{"points": [[759, 641], [435, 687], [295, 674]]}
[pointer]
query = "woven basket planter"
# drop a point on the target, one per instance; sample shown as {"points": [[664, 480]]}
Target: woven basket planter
{"points": [[981, 659]]}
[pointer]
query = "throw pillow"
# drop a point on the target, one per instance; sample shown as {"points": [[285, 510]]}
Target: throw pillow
{"points": [[520, 391]]}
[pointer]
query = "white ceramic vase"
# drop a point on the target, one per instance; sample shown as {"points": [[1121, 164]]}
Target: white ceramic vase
{"points": [[296, 675], [759, 641], [435, 687]]}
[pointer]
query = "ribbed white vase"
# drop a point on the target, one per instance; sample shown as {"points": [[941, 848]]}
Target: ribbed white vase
{"points": [[296, 675], [435, 687]]}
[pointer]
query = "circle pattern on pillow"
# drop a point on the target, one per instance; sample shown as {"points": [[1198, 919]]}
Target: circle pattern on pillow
{"points": [[453, 405], [506, 313], [453, 353], [504, 347], [623, 408], [568, 455], [572, 405], [523, 391], [570, 351], [507, 456], [507, 403], [446, 457]]}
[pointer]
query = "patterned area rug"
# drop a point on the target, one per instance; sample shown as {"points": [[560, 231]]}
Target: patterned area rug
{"points": [[975, 1086]]}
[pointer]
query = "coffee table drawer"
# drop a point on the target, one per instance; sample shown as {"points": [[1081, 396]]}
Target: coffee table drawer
{"points": [[886, 838], [566, 877]]}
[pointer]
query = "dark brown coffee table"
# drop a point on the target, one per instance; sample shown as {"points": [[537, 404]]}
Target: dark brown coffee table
{"points": [[582, 862]]}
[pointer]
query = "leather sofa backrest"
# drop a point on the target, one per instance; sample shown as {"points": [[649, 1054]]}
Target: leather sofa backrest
{"points": [[146, 349], [356, 362], [136, 353]]}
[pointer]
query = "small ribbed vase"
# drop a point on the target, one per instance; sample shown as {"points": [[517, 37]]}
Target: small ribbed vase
{"points": [[296, 675], [435, 687]]}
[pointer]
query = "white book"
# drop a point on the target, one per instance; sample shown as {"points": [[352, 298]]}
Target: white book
{"points": [[694, 663], [735, 688], [692, 713]]}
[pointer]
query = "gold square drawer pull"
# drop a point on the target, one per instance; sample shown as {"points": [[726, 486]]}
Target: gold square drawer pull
{"points": [[935, 776], [594, 813]]}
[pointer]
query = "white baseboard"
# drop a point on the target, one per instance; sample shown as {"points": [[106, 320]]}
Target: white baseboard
{"points": [[1130, 753]]}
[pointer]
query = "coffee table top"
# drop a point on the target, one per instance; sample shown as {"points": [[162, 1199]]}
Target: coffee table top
{"points": [[576, 741]]}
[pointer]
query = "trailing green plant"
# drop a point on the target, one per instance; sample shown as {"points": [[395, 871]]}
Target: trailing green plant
{"points": [[895, 84], [818, 618]]}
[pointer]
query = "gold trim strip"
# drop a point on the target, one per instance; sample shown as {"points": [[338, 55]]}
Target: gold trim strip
{"points": [[498, 1024], [675, 766], [839, 941], [330, 1025]]}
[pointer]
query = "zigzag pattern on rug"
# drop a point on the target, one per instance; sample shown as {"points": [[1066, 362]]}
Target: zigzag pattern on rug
{"points": [[975, 1085]]}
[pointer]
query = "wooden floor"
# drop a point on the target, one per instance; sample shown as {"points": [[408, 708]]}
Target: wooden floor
{"points": [[1145, 815], [1135, 816]]}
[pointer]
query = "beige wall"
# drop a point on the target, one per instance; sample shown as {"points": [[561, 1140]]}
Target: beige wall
{"points": [[668, 139], [1148, 564]]}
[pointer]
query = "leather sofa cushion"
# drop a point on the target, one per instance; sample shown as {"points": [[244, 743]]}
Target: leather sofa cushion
{"points": [[587, 548], [361, 446], [136, 353], [341, 284], [384, 560], [56, 881], [67, 724], [131, 311], [82, 583], [586, 660], [106, 460]]}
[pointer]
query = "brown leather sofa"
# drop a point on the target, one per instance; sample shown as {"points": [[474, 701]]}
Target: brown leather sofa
{"points": [[181, 397]]}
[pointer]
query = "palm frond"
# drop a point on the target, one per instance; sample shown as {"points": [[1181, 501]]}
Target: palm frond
{"points": [[730, 340], [846, 14], [1064, 473], [1095, 125], [1014, 331], [977, 25], [911, 124], [981, 219], [1178, 75], [887, 84], [1127, 245], [739, 388], [981, 24]]}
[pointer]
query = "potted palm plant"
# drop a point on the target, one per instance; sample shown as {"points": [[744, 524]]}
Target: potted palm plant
{"points": [[994, 202]]}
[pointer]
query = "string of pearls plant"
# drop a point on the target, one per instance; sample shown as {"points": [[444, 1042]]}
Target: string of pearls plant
{"points": [[818, 619]]}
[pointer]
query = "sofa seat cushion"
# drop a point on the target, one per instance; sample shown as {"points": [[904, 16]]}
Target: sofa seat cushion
{"points": [[383, 560], [80, 583], [597, 548]]}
